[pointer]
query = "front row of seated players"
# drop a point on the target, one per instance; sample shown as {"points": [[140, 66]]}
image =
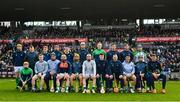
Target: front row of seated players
{"points": [[100, 72]]}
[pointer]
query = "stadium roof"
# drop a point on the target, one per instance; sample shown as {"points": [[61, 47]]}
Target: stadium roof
{"points": [[87, 9]]}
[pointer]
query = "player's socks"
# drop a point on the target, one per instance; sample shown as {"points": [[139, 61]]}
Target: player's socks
{"points": [[163, 81], [17, 82], [93, 89], [132, 90], [80, 88], [126, 89], [67, 89], [57, 89], [84, 91]]}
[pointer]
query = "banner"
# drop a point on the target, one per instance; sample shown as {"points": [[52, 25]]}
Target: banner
{"points": [[158, 39], [58, 40], [6, 41]]}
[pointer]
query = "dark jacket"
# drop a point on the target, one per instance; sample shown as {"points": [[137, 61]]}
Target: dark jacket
{"points": [[115, 68], [154, 66], [101, 67], [18, 58]]}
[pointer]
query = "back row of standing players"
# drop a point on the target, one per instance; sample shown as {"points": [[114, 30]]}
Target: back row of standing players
{"points": [[59, 66]]}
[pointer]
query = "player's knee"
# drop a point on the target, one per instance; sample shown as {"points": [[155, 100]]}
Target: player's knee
{"points": [[58, 77], [34, 78], [124, 78], [42, 77], [93, 77], [134, 77], [72, 77]]}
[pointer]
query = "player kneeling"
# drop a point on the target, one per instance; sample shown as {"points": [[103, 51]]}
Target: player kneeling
{"points": [[26, 74], [41, 68], [89, 72], [76, 70], [129, 70], [63, 72]]}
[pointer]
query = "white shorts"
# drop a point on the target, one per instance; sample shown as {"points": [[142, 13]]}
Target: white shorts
{"points": [[37, 76], [61, 74], [88, 75], [17, 68]]}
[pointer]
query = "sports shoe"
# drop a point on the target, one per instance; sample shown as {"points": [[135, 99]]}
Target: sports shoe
{"points": [[132, 91], [143, 90], [40, 88], [154, 91], [163, 91], [121, 90], [93, 91], [148, 90], [52, 90], [139, 90], [84, 91], [33, 89]]}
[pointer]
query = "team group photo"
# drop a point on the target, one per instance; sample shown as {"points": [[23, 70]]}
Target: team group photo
{"points": [[82, 71]]}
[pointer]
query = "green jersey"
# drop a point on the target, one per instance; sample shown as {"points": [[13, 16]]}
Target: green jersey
{"points": [[140, 53], [26, 71], [97, 52]]}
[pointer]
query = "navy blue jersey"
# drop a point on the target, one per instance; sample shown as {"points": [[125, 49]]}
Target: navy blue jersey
{"points": [[32, 58], [76, 67], [124, 53], [47, 56], [140, 67], [83, 53], [18, 58], [115, 67], [58, 54], [101, 66], [154, 66], [111, 53], [69, 57]]}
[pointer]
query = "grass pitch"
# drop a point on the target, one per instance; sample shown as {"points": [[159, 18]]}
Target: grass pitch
{"points": [[9, 93]]}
